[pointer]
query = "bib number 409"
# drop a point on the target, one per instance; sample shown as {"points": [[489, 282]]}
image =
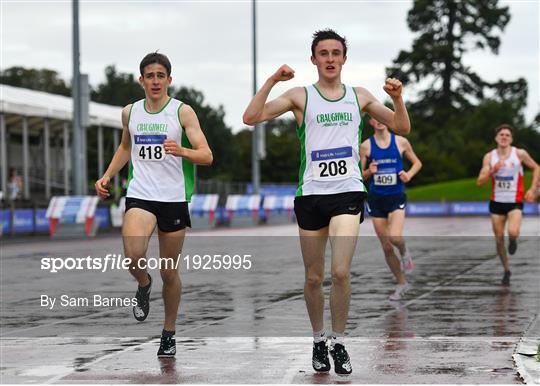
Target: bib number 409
{"points": [[385, 179], [333, 168]]}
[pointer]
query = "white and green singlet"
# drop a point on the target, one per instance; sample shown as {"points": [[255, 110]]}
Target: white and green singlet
{"points": [[154, 175], [330, 137]]}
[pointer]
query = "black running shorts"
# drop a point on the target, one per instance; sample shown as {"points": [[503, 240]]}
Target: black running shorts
{"points": [[502, 208], [315, 211], [171, 216], [381, 206]]}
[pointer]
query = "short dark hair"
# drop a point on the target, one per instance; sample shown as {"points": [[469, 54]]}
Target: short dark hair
{"points": [[155, 57], [504, 126], [326, 34]]}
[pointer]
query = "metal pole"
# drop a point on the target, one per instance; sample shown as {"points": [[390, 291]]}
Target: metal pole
{"points": [[3, 154], [76, 148], [26, 175], [47, 157], [116, 179], [255, 167], [66, 159], [100, 151]]}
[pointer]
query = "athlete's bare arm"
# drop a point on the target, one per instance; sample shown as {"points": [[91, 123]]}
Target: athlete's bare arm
{"points": [[365, 152], [485, 172], [416, 164], [525, 158], [120, 158], [397, 120], [200, 152], [259, 110]]}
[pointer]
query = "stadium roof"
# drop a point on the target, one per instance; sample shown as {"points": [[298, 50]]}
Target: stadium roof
{"points": [[30, 103]]}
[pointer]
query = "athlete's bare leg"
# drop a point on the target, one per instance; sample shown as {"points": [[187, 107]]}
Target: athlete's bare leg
{"points": [[343, 231], [396, 221], [313, 245], [498, 222], [170, 246], [136, 231], [382, 229], [514, 223]]}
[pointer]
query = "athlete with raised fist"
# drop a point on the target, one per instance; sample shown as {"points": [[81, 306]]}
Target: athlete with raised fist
{"points": [[330, 197]]}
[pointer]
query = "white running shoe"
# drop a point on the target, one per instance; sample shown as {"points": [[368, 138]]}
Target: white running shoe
{"points": [[399, 293], [407, 264]]}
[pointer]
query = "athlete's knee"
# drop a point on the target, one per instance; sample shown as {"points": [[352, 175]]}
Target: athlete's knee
{"points": [[314, 279], [513, 233], [169, 275], [396, 240], [340, 275], [135, 253]]}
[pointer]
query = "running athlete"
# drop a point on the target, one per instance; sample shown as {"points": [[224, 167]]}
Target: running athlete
{"points": [[503, 165], [162, 139], [330, 196], [382, 156]]}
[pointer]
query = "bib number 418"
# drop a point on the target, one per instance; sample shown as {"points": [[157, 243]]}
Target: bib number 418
{"points": [[151, 153]]}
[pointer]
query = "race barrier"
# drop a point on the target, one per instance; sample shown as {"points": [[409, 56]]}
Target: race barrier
{"points": [[240, 210], [203, 210], [243, 210], [72, 216], [427, 209], [278, 209]]}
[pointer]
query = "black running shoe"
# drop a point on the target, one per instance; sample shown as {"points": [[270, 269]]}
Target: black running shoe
{"points": [[142, 309], [320, 361], [342, 362], [167, 347], [506, 278], [512, 246]]}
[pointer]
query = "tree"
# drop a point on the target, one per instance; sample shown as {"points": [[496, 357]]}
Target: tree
{"points": [[218, 134], [282, 152], [456, 111], [119, 89], [446, 30], [35, 79]]}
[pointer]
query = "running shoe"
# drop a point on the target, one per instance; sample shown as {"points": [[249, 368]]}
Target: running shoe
{"points": [[342, 362], [320, 361], [506, 278], [512, 246], [399, 293], [167, 347], [142, 309], [407, 264]]}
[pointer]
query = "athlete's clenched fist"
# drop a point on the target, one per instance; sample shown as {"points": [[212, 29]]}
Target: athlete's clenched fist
{"points": [[393, 87], [283, 74]]}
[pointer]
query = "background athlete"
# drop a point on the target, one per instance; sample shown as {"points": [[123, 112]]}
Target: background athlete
{"points": [[382, 157], [503, 166], [330, 197], [163, 139]]}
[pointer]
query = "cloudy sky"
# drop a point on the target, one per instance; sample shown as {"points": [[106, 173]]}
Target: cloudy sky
{"points": [[209, 42]]}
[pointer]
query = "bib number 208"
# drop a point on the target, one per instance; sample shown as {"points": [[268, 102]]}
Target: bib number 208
{"points": [[333, 168]]}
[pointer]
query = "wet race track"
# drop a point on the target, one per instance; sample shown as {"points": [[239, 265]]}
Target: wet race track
{"points": [[250, 325]]}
